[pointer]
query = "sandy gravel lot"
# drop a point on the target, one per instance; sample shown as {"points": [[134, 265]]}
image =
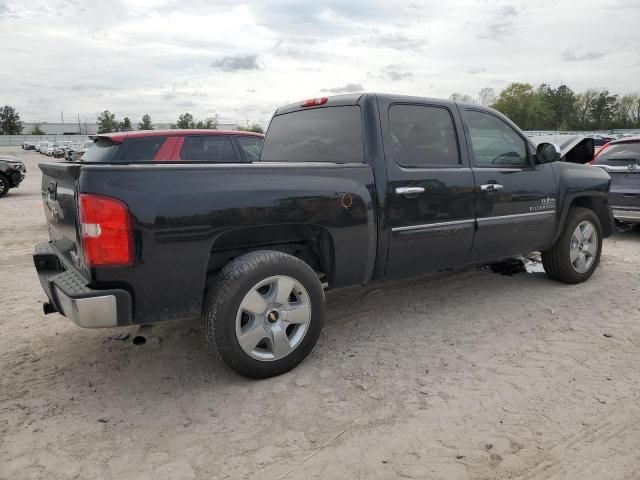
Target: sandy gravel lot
{"points": [[473, 376]]}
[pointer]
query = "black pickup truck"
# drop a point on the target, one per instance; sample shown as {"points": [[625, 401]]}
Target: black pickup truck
{"points": [[347, 190]]}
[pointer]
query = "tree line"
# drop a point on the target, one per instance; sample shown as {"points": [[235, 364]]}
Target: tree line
{"points": [[107, 123], [560, 108], [10, 123]]}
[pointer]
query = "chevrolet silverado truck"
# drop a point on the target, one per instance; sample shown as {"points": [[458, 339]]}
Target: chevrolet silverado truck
{"points": [[346, 190]]}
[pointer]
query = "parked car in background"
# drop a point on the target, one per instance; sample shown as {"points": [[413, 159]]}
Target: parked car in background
{"points": [[175, 146], [76, 151], [27, 145], [60, 148], [600, 140], [621, 159], [39, 145], [12, 172], [49, 149], [181, 225]]}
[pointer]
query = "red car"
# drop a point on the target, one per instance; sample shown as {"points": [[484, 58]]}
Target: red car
{"points": [[175, 146]]}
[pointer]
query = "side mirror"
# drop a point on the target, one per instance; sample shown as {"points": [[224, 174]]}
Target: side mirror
{"points": [[548, 152]]}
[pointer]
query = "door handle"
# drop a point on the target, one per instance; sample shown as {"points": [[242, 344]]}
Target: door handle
{"points": [[491, 187], [409, 191]]}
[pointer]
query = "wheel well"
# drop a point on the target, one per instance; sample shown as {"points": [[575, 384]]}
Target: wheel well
{"points": [[600, 207], [311, 244]]}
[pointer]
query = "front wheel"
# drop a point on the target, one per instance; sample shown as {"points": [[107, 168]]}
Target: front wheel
{"points": [[4, 185], [263, 313], [576, 254]]}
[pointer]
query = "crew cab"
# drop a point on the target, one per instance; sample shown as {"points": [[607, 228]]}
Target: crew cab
{"points": [[12, 172], [346, 190]]}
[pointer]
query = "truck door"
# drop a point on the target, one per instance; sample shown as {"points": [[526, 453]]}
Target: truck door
{"points": [[516, 199], [430, 209]]}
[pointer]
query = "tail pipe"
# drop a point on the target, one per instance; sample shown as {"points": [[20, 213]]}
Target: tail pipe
{"points": [[143, 335], [48, 308]]}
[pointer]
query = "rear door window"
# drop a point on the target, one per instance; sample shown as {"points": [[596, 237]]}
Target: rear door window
{"points": [[423, 136], [251, 147], [329, 134], [208, 148]]}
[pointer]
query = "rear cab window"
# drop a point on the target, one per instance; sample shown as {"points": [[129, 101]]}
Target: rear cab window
{"points": [[619, 155], [131, 150], [328, 134]]}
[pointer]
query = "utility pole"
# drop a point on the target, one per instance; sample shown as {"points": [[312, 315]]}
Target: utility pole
{"points": [[79, 128], [61, 116]]}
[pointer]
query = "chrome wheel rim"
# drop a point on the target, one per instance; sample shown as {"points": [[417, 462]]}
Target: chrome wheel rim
{"points": [[2, 186], [583, 246], [273, 318]]}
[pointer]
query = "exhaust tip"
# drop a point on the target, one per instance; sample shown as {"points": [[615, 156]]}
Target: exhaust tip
{"points": [[48, 308], [139, 340]]}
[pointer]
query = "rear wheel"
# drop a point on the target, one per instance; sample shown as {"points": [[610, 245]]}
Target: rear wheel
{"points": [[4, 185], [263, 313], [576, 254]]}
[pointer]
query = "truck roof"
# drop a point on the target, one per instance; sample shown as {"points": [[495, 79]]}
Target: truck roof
{"points": [[354, 99]]}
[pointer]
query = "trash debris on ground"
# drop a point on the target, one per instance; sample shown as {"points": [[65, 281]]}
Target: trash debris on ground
{"points": [[532, 263]]}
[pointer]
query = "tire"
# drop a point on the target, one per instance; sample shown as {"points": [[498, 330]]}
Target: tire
{"points": [[4, 185], [245, 313], [558, 262]]}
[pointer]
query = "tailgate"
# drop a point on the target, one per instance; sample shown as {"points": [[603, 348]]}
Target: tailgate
{"points": [[625, 187], [59, 196]]}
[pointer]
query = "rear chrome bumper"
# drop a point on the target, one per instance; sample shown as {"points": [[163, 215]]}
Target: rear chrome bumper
{"points": [[69, 294], [631, 216]]}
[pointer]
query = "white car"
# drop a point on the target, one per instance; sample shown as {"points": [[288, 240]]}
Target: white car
{"points": [[60, 148], [48, 149]]}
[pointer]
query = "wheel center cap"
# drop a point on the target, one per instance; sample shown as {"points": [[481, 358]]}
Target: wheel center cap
{"points": [[273, 316], [581, 246]]}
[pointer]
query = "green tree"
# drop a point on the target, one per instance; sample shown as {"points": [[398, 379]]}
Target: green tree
{"points": [[603, 110], [208, 124], [582, 109], [125, 125], [145, 123], [107, 122], [461, 97], [254, 127], [516, 101], [10, 123], [185, 121], [37, 130]]}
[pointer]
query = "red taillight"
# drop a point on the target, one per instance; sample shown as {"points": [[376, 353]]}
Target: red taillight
{"points": [[599, 152], [314, 102], [105, 228]]}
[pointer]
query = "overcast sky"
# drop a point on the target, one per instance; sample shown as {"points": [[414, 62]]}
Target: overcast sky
{"points": [[243, 59]]}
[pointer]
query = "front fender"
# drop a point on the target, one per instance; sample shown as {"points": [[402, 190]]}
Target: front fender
{"points": [[583, 186]]}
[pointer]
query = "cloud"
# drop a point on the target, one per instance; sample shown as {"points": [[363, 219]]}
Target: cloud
{"points": [[235, 63], [290, 49], [396, 41], [500, 23], [573, 56], [348, 88], [396, 73]]}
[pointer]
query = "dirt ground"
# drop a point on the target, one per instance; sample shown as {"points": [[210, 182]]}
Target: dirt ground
{"points": [[472, 376]]}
